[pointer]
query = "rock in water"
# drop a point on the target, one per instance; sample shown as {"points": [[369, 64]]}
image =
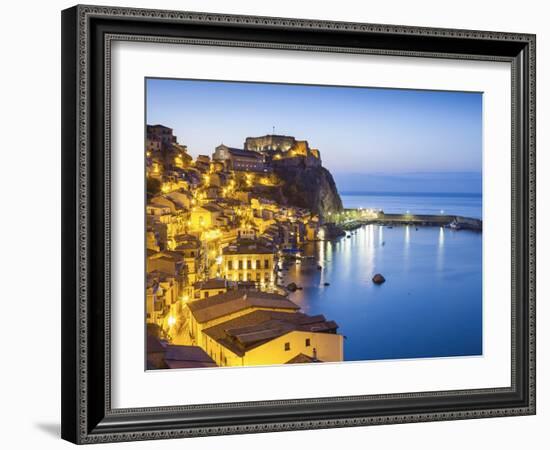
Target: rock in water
{"points": [[292, 287], [378, 279]]}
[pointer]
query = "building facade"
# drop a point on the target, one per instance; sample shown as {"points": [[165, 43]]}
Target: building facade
{"points": [[249, 262], [273, 337], [269, 142], [239, 160]]}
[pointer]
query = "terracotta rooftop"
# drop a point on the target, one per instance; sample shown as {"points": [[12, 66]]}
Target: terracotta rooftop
{"points": [[246, 248], [187, 356], [213, 283], [238, 300], [256, 328], [300, 358]]}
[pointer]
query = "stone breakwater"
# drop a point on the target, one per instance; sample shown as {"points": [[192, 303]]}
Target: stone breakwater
{"points": [[448, 221]]}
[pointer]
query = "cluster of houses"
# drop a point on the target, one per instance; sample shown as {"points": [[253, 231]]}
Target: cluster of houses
{"points": [[213, 253]]}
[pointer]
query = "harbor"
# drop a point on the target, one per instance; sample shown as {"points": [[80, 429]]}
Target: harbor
{"points": [[429, 306], [352, 219]]}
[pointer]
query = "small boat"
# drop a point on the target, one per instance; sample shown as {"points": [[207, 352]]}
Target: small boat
{"points": [[454, 225]]}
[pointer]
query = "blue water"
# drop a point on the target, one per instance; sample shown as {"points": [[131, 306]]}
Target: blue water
{"points": [[468, 205], [430, 304]]}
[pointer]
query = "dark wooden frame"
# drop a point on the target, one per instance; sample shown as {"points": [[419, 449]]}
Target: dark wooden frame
{"points": [[87, 31]]}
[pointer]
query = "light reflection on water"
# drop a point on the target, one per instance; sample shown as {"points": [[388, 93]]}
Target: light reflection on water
{"points": [[429, 306]]}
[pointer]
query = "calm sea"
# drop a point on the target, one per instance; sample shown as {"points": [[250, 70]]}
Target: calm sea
{"points": [[431, 302], [468, 205]]}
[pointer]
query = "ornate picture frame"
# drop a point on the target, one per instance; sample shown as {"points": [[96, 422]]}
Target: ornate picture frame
{"points": [[87, 35]]}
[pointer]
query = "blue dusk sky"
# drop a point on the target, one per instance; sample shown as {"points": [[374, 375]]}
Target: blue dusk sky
{"points": [[370, 139]]}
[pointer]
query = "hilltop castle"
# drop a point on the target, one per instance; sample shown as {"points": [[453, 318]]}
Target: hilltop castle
{"points": [[261, 153]]}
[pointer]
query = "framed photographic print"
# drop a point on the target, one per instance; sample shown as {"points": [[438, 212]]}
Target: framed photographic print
{"points": [[281, 224]]}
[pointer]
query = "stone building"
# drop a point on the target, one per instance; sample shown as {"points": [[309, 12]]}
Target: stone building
{"points": [[273, 337], [269, 142], [284, 150], [159, 137], [238, 159], [249, 262], [220, 308]]}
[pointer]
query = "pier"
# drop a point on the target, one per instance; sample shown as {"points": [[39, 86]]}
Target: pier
{"points": [[357, 218]]}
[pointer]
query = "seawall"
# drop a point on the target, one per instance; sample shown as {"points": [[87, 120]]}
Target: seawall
{"points": [[436, 220]]}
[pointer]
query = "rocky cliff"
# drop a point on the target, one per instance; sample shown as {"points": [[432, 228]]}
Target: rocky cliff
{"points": [[305, 186]]}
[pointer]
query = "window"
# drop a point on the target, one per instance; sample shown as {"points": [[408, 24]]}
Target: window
{"points": [[287, 346], [308, 342], [229, 265], [206, 294], [258, 264], [266, 264], [240, 264]]}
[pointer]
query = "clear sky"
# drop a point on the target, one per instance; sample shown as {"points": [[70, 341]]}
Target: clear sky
{"points": [[386, 133]]}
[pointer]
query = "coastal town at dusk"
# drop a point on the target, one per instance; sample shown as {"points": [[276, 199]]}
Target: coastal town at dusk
{"points": [[256, 256], [217, 246]]}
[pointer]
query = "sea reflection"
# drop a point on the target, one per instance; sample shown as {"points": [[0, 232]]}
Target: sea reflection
{"points": [[404, 317], [440, 250], [406, 247]]}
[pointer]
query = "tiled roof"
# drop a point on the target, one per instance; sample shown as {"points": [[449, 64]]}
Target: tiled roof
{"points": [[256, 328], [186, 356], [154, 345], [301, 358], [246, 249], [244, 153], [231, 302], [213, 283]]}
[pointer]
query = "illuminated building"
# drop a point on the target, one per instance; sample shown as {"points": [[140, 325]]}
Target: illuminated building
{"points": [[161, 294], [221, 308], [209, 288], [204, 217], [272, 337], [270, 142], [238, 159], [250, 262]]}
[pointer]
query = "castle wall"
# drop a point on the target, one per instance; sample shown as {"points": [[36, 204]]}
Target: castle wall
{"points": [[269, 142]]}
